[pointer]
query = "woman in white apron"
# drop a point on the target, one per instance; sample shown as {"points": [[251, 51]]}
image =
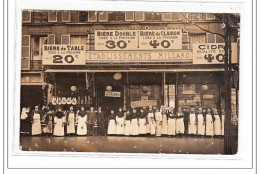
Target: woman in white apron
{"points": [[25, 119], [217, 123], [222, 122], [36, 121], [179, 122], [120, 122], [82, 122], [71, 117], [142, 122], [111, 130], [201, 123], [134, 123], [171, 122], [48, 119], [209, 124], [59, 121], [127, 127], [192, 122], [164, 122], [158, 120], [150, 126]]}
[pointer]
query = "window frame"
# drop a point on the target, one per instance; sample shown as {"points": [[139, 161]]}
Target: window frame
{"points": [[163, 19], [62, 20], [29, 57], [29, 21], [207, 38], [49, 13], [68, 39], [106, 13], [96, 18], [138, 19], [133, 15]]}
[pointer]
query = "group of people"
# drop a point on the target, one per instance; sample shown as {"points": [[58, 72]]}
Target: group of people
{"points": [[134, 122]]}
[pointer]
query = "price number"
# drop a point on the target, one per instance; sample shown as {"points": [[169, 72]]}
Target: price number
{"points": [[60, 59], [210, 57], [164, 43], [112, 44]]}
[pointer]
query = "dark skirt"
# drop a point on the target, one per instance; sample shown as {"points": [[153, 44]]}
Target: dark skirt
{"points": [[26, 125]]}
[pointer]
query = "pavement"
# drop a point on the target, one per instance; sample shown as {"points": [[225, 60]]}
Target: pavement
{"points": [[173, 145]]}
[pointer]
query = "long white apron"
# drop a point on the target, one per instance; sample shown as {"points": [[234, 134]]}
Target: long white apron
{"points": [[209, 125], [142, 126], [134, 127], [111, 127], [201, 125], [71, 124], [179, 126], [192, 124], [82, 126], [127, 127], [164, 125], [59, 126], [36, 125], [223, 125], [217, 125], [120, 126], [171, 126], [149, 118], [152, 126]]}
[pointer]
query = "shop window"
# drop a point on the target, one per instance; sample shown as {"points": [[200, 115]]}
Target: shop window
{"points": [[52, 16], [211, 38], [210, 16], [197, 38], [152, 16], [83, 16], [27, 16], [65, 16], [167, 16], [129, 16], [103, 16], [25, 62], [51, 39], [74, 15], [169, 95], [116, 16], [37, 43], [184, 17], [65, 39], [92, 16], [82, 40], [139, 16], [40, 17], [198, 17], [185, 41]]}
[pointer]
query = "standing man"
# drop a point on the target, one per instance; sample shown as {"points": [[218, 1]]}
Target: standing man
{"points": [[186, 121], [91, 120], [101, 122]]}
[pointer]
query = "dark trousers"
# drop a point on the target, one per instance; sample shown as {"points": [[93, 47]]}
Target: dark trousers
{"points": [[186, 126], [90, 129]]}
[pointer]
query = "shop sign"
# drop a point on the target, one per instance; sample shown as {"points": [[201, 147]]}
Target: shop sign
{"points": [[138, 56], [63, 55], [212, 53], [144, 103], [112, 94], [138, 39]]}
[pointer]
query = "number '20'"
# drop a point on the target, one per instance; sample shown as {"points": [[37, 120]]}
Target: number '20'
{"points": [[59, 59]]}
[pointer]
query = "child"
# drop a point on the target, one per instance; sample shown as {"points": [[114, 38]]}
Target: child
{"points": [[111, 130], [82, 122]]}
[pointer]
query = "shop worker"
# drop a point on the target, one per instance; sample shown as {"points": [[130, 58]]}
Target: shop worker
{"points": [[217, 123], [222, 122], [111, 130], [25, 122], [82, 122], [101, 122], [201, 123], [192, 122], [127, 128], [120, 122], [158, 120], [142, 122], [134, 123], [171, 122], [48, 118], [179, 122], [71, 119], [36, 121], [209, 124], [164, 122], [150, 125], [59, 122], [186, 121], [91, 120]]}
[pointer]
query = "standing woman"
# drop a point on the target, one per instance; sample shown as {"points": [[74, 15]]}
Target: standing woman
{"points": [[150, 124], [217, 123], [59, 121], [48, 119], [164, 122], [120, 122], [71, 119], [222, 122], [209, 124], [111, 130], [134, 123], [171, 122], [101, 122], [36, 121], [201, 123], [179, 122], [192, 122], [158, 120], [82, 122], [25, 122], [142, 122], [127, 130]]}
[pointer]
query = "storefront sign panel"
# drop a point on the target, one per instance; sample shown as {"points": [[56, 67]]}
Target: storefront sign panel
{"points": [[212, 53], [112, 94], [145, 103], [138, 56], [63, 55], [138, 39]]}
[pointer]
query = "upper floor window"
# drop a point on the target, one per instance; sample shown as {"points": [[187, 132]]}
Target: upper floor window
{"points": [[103, 16], [92, 16], [65, 16], [129, 16], [211, 38], [40, 16], [27, 17], [116, 16], [152, 16]]}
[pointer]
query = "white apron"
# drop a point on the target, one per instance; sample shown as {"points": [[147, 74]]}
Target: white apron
{"points": [[217, 125], [36, 125], [192, 124], [164, 125], [59, 126], [120, 126], [179, 125], [152, 127], [48, 128], [127, 127], [111, 127], [142, 126], [171, 126], [134, 127], [71, 124], [222, 124], [158, 118], [201, 125], [209, 125], [82, 126]]}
